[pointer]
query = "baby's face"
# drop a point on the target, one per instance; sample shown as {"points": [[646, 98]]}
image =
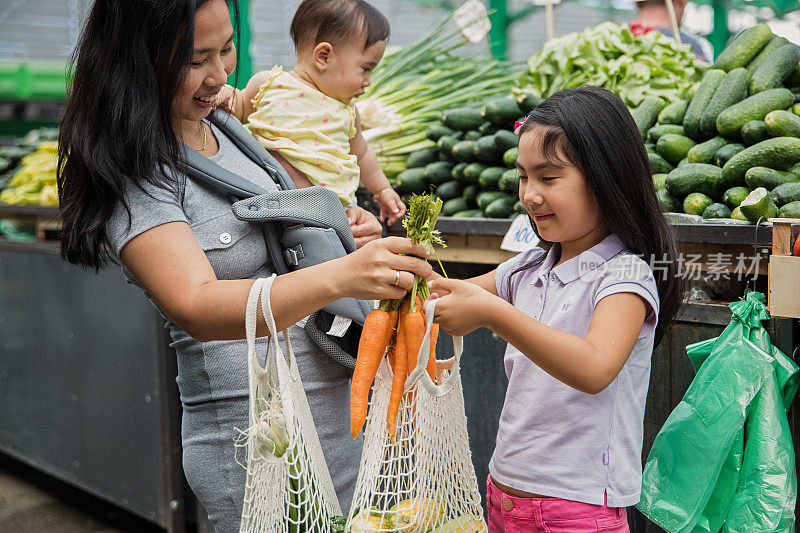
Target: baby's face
{"points": [[349, 69]]}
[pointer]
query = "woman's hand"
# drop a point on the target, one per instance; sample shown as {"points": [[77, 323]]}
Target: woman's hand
{"points": [[370, 272], [365, 226], [462, 306]]}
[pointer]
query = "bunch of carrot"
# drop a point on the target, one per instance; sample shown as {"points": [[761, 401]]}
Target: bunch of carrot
{"points": [[396, 329]]}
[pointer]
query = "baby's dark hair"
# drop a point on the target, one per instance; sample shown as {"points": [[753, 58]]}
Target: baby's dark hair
{"points": [[591, 129], [335, 21]]}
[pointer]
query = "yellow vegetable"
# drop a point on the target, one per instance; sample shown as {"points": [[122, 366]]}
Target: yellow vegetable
{"points": [[367, 522], [416, 514]]}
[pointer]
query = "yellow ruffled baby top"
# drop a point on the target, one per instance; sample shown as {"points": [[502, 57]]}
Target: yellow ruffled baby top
{"points": [[311, 130]]}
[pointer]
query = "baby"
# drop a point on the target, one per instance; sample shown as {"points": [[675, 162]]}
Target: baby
{"points": [[306, 117]]}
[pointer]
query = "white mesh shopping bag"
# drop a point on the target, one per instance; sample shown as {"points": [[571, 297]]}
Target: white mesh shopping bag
{"points": [[425, 480], [289, 488]]}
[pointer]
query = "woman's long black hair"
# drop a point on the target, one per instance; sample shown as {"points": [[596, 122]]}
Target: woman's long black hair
{"points": [[117, 128], [591, 128]]}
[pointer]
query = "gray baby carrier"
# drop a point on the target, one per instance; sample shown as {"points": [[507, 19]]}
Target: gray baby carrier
{"points": [[302, 228]]}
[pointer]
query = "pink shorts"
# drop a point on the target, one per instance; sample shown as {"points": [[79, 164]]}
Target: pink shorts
{"points": [[512, 514]]}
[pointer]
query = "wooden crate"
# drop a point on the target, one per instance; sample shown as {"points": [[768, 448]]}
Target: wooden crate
{"points": [[784, 270]]}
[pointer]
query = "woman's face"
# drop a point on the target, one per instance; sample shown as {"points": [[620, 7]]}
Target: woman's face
{"points": [[213, 60]]}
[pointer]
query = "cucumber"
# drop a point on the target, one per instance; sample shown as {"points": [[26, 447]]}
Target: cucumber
{"points": [[490, 177], [658, 164], [420, 158], [470, 193], [505, 140], [754, 107], [705, 92], [757, 205], [768, 178], [646, 114], [674, 147], [796, 109], [472, 135], [668, 203], [694, 177], [509, 181], [673, 113], [446, 143], [437, 172], [486, 150], [754, 132], [487, 128], [736, 214], [776, 42], [790, 210], [469, 213], [705, 152], [486, 197], [650, 148], [734, 196], [510, 157], [462, 118], [528, 102], [502, 111], [437, 131], [473, 171], [793, 79], [780, 152], [464, 151], [453, 206], [696, 203], [659, 181], [785, 193], [519, 207], [726, 152], [744, 47], [716, 210], [775, 68], [449, 190], [457, 173], [656, 132], [684, 161], [732, 89], [411, 180], [780, 123], [500, 208]]}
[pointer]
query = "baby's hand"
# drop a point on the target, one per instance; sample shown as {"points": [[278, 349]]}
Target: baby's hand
{"points": [[461, 306], [392, 207], [226, 99]]}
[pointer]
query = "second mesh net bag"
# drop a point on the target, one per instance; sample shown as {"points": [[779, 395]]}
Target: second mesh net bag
{"points": [[424, 480], [289, 488]]}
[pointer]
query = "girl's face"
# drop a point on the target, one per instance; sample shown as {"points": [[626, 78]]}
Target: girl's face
{"points": [[558, 199], [348, 69], [213, 60]]}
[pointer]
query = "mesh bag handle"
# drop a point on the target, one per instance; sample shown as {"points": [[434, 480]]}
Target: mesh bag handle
{"points": [[419, 376]]}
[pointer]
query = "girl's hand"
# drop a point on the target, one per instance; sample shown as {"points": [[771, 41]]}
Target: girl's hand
{"points": [[364, 225], [462, 306], [369, 273], [392, 207]]}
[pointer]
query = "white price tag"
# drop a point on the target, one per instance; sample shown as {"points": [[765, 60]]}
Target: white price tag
{"points": [[472, 20], [339, 326], [544, 2], [520, 236]]}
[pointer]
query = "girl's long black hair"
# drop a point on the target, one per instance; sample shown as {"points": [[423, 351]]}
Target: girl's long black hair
{"points": [[592, 129], [117, 130]]}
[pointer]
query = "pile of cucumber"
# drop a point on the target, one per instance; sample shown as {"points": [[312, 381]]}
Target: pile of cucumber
{"points": [[735, 139], [472, 167]]}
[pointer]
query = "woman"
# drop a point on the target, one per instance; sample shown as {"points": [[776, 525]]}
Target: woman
{"points": [[146, 75]]}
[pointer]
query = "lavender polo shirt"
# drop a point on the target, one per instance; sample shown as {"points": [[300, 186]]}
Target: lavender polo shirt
{"points": [[555, 440]]}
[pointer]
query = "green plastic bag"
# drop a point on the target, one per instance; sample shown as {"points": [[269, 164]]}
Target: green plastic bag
{"points": [[724, 460]]}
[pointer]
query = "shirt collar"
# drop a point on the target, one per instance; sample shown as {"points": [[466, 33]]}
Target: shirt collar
{"points": [[590, 260]]}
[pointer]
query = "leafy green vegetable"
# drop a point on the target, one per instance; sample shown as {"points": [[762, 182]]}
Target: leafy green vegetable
{"points": [[610, 56]]}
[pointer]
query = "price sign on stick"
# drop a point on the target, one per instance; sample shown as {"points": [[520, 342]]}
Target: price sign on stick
{"points": [[673, 21], [473, 21], [520, 236], [548, 15]]}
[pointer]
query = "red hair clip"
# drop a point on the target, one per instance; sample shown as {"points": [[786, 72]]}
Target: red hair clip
{"points": [[518, 125]]}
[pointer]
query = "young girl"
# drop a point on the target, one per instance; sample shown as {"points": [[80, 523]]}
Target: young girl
{"points": [[581, 319], [306, 117]]}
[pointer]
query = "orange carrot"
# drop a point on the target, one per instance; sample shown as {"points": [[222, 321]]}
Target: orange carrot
{"points": [[414, 330], [375, 336], [398, 374], [432, 357]]}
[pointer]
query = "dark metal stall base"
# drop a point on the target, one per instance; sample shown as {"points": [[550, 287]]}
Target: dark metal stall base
{"points": [[87, 390]]}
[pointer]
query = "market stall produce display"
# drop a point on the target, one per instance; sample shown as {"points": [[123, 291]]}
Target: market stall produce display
{"points": [[28, 169], [735, 153]]}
